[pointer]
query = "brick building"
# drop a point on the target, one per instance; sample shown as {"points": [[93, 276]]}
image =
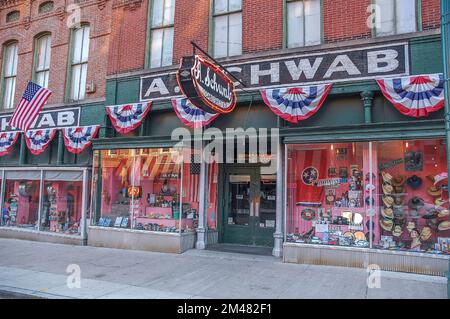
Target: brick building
{"points": [[280, 50]]}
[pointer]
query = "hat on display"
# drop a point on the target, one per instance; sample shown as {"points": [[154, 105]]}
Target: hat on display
{"points": [[387, 189], [398, 181], [445, 225], [425, 234], [368, 177], [416, 202], [387, 213], [443, 213], [414, 182], [370, 187], [413, 213], [386, 224], [386, 177], [398, 199], [359, 235], [439, 202], [410, 226], [388, 201], [397, 232], [369, 201], [368, 224], [434, 191], [399, 189], [431, 214]]}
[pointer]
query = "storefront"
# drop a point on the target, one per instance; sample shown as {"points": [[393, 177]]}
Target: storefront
{"points": [[351, 178]]}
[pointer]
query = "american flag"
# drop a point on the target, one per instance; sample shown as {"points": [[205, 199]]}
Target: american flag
{"points": [[194, 178], [29, 107]]}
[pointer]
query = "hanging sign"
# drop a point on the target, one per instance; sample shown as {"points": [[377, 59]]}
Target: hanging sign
{"points": [[416, 95], [191, 115], [206, 85], [7, 141], [77, 139], [127, 117], [38, 140]]}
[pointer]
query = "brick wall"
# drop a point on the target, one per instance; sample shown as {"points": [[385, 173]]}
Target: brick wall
{"points": [[431, 14]]}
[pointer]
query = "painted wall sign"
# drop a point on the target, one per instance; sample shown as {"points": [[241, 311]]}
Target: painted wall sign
{"points": [[357, 63], [206, 85], [47, 119]]}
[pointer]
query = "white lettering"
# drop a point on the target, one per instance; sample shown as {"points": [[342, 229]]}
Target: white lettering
{"points": [[304, 66], [382, 61], [342, 63], [46, 120], [66, 118], [157, 86], [274, 73]]}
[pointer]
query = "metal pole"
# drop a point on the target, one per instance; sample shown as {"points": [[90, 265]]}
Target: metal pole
{"points": [[445, 33]]}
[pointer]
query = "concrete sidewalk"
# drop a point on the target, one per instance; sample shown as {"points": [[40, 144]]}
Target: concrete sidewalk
{"points": [[39, 269]]}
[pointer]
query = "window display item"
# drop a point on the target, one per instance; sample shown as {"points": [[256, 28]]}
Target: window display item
{"points": [[414, 182], [445, 225], [425, 234], [443, 213], [308, 214], [413, 161], [386, 224], [434, 191], [397, 232], [388, 201], [416, 203], [387, 213]]}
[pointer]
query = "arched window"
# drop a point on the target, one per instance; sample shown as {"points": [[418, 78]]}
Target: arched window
{"points": [[13, 16], [79, 62], [42, 59], [45, 7], [9, 74]]}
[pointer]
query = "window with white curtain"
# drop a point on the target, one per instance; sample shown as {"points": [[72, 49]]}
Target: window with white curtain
{"points": [[304, 23], [42, 63], [227, 17], [79, 62], [395, 17], [161, 51], [10, 57]]}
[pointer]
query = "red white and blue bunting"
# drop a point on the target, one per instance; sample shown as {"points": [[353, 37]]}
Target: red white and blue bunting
{"points": [[77, 139], [191, 115], [416, 95], [295, 104], [38, 140], [127, 117], [7, 141]]}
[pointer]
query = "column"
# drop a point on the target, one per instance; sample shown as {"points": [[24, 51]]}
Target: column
{"points": [[22, 150], [278, 235], [367, 98], [60, 152], [202, 209]]}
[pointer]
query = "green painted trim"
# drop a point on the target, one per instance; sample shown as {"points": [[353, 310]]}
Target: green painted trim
{"points": [[60, 150], [2, 78], [148, 37], [132, 142], [284, 42], [211, 28], [69, 68], [22, 150], [419, 19]]}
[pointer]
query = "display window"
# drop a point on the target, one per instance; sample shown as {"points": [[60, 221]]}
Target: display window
{"points": [[211, 195], [386, 195]]}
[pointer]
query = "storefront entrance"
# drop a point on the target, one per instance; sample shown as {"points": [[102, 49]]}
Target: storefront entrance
{"points": [[249, 206]]}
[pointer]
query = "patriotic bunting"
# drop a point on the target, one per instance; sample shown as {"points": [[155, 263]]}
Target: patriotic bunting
{"points": [[416, 95], [77, 139], [7, 140], [38, 140], [191, 115], [127, 117], [295, 104]]}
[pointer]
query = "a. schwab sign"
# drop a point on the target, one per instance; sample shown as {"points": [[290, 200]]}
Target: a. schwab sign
{"points": [[47, 119], [357, 63]]}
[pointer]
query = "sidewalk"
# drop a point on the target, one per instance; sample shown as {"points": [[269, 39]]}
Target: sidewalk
{"points": [[39, 269]]}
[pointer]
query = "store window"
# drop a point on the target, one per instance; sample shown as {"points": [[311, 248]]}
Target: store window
{"points": [[10, 57], [211, 195], [162, 26], [304, 23], [385, 195], [42, 60], [227, 17], [395, 17], [79, 63], [147, 189]]}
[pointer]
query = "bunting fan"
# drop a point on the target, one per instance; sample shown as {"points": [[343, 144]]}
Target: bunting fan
{"points": [[191, 115], [416, 95], [127, 117], [7, 140], [38, 140], [77, 139], [295, 104]]}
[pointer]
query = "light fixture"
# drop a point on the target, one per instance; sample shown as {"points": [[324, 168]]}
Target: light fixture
{"points": [[332, 147]]}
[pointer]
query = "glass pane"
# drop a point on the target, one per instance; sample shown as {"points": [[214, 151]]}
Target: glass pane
{"points": [[191, 190], [61, 206], [239, 197], [234, 5], [77, 45], [85, 49], [295, 24], [235, 34], [21, 203], [220, 6], [76, 74], [386, 18], [406, 16], [312, 22], [157, 13], [10, 88], [11, 60], [220, 36], [40, 78], [156, 48], [43, 55], [83, 77], [267, 209], [167, 47], [169, 11]]}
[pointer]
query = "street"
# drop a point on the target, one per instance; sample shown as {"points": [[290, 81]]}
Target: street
{"points": [[36, 269]]}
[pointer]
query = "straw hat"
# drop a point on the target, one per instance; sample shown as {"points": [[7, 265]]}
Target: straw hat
{"points": [[388, 201], [386, 224], [443, 213], [387, 188], [416, 202], [398, 180], [410, 226], [397, 232], [425, 234], [445, 225], [399, 189], [386, 177], [439, 202], [434, 191], [387, 213], [398, 199]]}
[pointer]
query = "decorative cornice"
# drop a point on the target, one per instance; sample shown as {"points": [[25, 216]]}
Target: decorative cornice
{"points": [[127, 4], [27, 22], [9, 3]]}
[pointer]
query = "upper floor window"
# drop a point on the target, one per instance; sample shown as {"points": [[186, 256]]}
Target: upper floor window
{"points": [[161, 52], [42, 60], [9, 74], [13, 16], [79, 63], [45, 7], [304, 26], [227, 15], [395, 17]]}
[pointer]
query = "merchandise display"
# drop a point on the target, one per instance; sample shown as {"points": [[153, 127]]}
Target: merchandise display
{"points": [[395, 188]]}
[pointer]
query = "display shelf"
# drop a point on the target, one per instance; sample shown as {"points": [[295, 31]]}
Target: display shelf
{"points": [[167, 222]]}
